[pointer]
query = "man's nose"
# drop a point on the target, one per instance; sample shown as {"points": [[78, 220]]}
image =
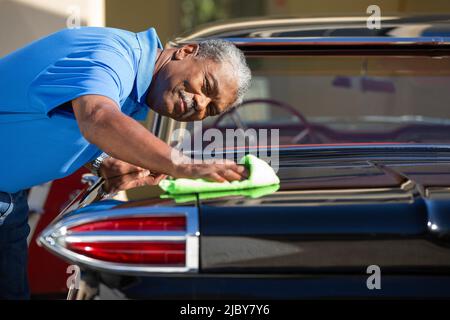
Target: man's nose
{"points": [[201, 102]]}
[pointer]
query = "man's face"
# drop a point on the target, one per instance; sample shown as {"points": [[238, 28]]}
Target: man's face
{"points": [[189, 88]]}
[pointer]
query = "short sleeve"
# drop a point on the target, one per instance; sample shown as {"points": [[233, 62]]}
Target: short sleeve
{"points": [[102, 71]]}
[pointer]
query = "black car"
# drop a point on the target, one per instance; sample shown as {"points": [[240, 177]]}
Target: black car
{"points": [[363, 207]]}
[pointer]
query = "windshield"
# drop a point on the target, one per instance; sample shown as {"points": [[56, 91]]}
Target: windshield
{"points": [[346, 99]]}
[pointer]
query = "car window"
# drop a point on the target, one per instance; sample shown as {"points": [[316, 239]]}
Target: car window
{"points": [[349, 98]]}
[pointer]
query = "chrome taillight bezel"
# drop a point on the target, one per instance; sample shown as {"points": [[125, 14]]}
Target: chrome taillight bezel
{"points": [[56, 235]]}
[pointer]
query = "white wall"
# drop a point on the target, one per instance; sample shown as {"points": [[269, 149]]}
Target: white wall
{"points": [[22, 21]]}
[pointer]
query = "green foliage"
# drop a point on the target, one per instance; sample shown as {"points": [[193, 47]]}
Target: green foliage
{"points": [[196, 12]]}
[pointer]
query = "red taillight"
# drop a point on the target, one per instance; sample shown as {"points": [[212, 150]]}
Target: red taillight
{"points": [[134, 224], [139, 240], [133, 250], [160, 253]]}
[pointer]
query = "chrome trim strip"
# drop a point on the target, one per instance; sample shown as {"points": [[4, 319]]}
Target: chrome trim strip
{"points": [[120, 238], [320, 41], [273, 23], [437, 193], [331, 197]]}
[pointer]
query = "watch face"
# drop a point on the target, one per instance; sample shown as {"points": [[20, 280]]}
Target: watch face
{"points": [[98, 162]]}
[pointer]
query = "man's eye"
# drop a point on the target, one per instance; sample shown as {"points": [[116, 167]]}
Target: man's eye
{"points": [[211, 110], [207, 87]]}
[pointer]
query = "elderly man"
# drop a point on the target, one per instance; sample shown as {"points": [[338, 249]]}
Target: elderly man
{"points": [[70, 97]]}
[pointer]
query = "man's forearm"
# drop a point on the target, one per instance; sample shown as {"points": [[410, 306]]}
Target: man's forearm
{"points": [[124, 138]]}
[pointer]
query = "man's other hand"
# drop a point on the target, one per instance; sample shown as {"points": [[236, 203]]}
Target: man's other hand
{"points": [[120, 175]]}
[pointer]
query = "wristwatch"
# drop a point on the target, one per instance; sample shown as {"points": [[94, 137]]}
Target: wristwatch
{"points": [[96, 164]]}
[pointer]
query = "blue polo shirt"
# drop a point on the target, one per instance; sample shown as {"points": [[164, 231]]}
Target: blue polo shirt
{"points": [[39, 137]]}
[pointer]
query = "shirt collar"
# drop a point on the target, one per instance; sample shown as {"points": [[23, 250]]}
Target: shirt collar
{"points": [[149, 43]]}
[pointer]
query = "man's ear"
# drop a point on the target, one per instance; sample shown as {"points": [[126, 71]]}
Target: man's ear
{"points": [[188, 50]]}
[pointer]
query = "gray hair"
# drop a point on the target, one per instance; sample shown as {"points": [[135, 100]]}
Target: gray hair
{"points": [[225, 51]]}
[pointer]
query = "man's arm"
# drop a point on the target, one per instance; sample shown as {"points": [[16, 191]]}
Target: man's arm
{"points": [[103, 124]]}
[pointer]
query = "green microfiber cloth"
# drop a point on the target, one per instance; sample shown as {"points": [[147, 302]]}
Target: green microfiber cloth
{"points": [[260, 175], [250, 193]]}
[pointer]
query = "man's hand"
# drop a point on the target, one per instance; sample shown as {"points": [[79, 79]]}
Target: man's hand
{"points": [[225, 170], [120, 175]]}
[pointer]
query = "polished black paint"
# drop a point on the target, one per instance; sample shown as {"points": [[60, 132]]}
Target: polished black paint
{"points": [[287, 238]]}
